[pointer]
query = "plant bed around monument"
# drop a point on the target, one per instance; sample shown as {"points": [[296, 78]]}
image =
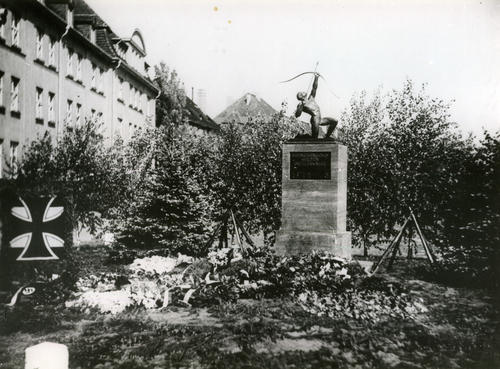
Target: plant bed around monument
{"points": [[459, 330]]}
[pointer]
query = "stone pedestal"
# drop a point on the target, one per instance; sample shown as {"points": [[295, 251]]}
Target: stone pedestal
{"points": [[47, 355], [314, 199]]}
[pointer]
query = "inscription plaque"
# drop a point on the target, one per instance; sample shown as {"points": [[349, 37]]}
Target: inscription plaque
{"points": [[310, 165]]}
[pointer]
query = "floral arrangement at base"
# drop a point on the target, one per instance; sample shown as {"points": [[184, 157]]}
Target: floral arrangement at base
{"points": [[321, 283]]}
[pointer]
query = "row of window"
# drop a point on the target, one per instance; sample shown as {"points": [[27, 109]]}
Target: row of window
{"points": [[97, 76], [13, 156], [40, 49], [136, 97], [126, 132], [51, 104], [15, 37], [14, 92], [74, 67], [49, 57], [14, 106], [72, 110], [39, 104], [74, 114], [15, 29]]}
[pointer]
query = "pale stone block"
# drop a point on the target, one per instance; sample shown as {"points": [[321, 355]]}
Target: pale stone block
{"points": [[314, 199], [47, 355]]}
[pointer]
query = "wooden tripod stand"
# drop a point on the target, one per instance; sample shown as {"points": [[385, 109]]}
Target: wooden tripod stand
{"points": [[394, 245], [222, 229]]}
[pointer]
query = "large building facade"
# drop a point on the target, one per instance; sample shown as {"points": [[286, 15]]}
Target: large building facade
{"points": [[60, 64]]}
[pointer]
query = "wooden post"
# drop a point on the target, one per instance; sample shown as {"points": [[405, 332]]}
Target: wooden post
{"points": [[245, 233], [222, 230], [212, 238], [422, 238], [410, 239], [238, 239], [224, 234], [393, 243], [397, 248]]}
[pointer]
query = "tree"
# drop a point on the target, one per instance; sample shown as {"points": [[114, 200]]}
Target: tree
{"points": [[247, 172], [361, 131], [170, 107], [80, 167], [470, 236], [404, 152], [166, 203], [426, 152]]}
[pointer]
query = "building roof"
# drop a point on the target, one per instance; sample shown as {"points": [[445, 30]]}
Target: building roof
{"points": [[105, 37], [197, 118], [104, 33], [247, 106]]}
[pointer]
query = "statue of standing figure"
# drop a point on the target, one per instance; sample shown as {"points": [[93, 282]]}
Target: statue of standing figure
{"points": [[309, 106]]}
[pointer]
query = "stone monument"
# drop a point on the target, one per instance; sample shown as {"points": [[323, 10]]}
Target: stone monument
{"points": [[314, 189], [314, 198], [47, 355]]}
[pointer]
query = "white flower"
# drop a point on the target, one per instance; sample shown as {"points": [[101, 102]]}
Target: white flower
{"points": [[112, 302], [153, 265], [302, 297], [342, 271], [184, 259]]}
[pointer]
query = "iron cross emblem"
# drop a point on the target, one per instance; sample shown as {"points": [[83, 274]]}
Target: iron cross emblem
{"points": [[37, 227]]}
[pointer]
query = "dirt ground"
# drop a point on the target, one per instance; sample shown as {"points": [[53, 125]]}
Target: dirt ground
{"points": [[461, 329]]}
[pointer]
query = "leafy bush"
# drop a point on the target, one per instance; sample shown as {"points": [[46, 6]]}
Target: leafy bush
{"points": [[171, 104]]}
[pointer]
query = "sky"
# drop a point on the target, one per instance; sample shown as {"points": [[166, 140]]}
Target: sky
{"points": [[231, 47]]}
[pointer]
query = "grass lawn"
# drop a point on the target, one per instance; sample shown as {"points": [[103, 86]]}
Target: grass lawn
{"points": [[460, 330]]}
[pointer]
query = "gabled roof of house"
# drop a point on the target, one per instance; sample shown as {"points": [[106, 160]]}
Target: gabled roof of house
{"points": [[247, 106]]}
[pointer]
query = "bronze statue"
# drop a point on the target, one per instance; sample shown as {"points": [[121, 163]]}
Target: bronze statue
{"points": [[309, 106]]}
